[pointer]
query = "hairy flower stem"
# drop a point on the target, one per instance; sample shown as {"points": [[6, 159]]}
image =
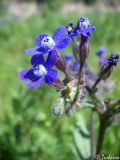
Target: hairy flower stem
{"points": [[79, 79], [101, 134], [92, 133], [95, 84]]}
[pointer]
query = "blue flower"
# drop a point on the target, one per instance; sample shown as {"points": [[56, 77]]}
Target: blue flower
{"points": [[45, 43], [100, 53], [84, 27], [41, 71]]}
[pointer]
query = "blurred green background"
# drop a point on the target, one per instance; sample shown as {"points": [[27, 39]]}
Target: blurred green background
{"points": [[28, 129]]}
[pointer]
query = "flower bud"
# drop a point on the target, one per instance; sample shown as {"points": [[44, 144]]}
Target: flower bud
{"points": [[75, 49], [59, 85], [58, 107], [84, 49], [106, 71], [61, 63]]}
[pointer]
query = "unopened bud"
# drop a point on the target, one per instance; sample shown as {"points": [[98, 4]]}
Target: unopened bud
{"points": [[59, 85], [58, 107], [75, 49], [84, 49], [106, 71], [61, 63]]}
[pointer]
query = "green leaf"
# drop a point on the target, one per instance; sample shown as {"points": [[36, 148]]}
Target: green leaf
{"points": [[81, 139]]}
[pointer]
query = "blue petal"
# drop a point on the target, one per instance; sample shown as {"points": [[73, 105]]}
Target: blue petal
{"points": [[68, 56], [75, 66], [35, 83], [37, 59], [51, 76], [103, 60], [42, 50], [101, 51], [59, 34], [74, 33], [62, 44], [39, 39], [22, 74], [32, 51], [51, 60], [28, 74], [81, 19]]}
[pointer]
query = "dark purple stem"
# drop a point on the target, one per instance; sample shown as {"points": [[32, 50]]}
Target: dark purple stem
{"points": [[83, 52]]}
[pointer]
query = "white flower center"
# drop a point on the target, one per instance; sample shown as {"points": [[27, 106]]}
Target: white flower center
{"points": [[40, 70], [85, 23], [48, 42]]}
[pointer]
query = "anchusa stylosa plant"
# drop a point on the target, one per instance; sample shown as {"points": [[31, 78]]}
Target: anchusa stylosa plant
{"points": [[80, 85]]}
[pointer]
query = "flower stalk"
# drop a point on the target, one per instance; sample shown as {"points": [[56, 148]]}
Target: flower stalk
{"points": [[79, 82]]}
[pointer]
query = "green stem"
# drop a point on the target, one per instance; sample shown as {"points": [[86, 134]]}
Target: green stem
{"points": [[101, 134], [96, 83]]}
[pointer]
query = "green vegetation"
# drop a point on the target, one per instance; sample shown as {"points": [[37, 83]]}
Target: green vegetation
{"points": [[28, 129]]}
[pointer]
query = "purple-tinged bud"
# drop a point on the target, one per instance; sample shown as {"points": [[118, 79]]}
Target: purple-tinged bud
{"points": [[57, 84], [75, 49], [107, 69], [84, 49], [61, 63]]}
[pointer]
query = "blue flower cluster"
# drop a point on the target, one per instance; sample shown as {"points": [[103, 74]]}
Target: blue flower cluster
{"points": [[83, 27], [42, 71]]}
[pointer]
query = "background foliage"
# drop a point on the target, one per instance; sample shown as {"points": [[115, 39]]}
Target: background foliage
{"points": [[28, 129]]}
